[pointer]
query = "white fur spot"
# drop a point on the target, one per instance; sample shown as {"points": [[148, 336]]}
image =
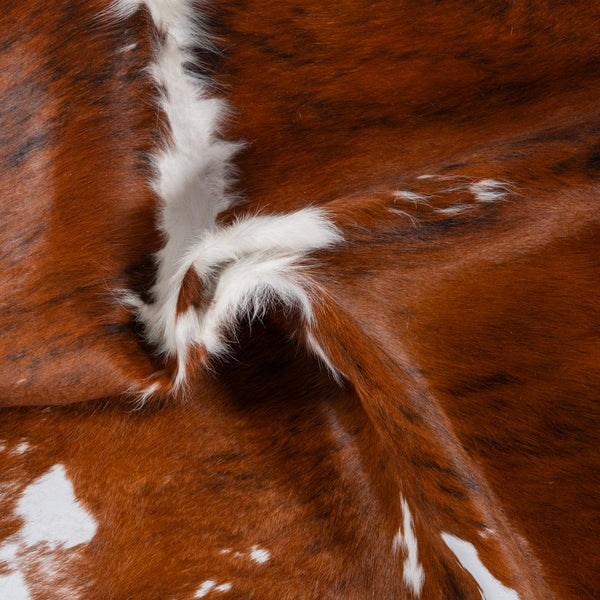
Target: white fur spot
{"points": [[405, 540], [211, 586], [259, 555], [206, 587], [489, 586], [21, 448], [256, 554], [51, 513]]}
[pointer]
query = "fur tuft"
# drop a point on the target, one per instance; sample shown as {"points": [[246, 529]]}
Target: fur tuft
{"points": [[231, 272], [242, 270]]}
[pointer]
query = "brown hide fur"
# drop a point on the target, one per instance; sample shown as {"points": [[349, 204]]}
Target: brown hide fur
{"points": [[469, 339], [491, 314], [257, 459], [78, 125]]}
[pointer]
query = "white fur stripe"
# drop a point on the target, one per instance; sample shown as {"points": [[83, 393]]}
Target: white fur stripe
{"points": [[192, 169], [242, 267], [489, 586], [405, 540]]}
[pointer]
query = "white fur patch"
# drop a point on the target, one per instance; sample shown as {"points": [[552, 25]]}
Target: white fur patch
{"points": [[9, 551], [489, 586], [211, 586], [13, 587], [51, 514], [405, 540], [21, 448], [206, 587], [259, 555], [53, 522]]}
